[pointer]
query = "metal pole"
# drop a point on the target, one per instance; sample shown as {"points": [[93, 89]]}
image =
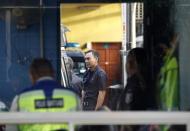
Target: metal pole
{"points": [[97, 118], [133, 25], [41, 30], [188, 126], [71, 126], [124, 42], [8, 41]]}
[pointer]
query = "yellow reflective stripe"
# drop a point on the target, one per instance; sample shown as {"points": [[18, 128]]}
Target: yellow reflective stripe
{"points": [[70, 99], [42, 127], [26, 103], [26, 100]]}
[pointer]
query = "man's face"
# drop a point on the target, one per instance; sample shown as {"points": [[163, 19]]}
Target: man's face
{"points": [[90, 60]]}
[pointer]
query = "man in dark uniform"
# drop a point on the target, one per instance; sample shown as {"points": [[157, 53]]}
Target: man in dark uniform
{"points": [[95, 82]]}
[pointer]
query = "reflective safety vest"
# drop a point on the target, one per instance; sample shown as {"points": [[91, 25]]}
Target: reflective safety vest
{"points": [[39, 100], [168, 84]]}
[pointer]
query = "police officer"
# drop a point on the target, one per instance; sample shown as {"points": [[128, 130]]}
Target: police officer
{"points": [[45, 95], [168, 82], [95, 82], [169, 77]]}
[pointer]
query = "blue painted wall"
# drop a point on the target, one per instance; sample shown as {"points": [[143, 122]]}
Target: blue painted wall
{"points": [[16, 57]]}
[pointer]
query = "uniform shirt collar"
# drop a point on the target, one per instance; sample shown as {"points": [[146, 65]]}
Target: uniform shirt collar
{"points": [[44, 78], [94, 69]]}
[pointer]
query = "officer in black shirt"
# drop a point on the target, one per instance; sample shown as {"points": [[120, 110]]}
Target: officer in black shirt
{"points": [[135, 93], [95, 82]]}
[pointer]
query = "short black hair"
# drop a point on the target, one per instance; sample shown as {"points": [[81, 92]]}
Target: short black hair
{"points": [[94, 53], [139, 55], [166, 36], [41, 67]]}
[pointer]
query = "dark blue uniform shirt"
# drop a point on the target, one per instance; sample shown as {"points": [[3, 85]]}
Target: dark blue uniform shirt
{"points": [[93, 81]]}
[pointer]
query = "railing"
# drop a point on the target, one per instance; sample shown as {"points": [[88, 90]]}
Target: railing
{"points": [[98, 118]]}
